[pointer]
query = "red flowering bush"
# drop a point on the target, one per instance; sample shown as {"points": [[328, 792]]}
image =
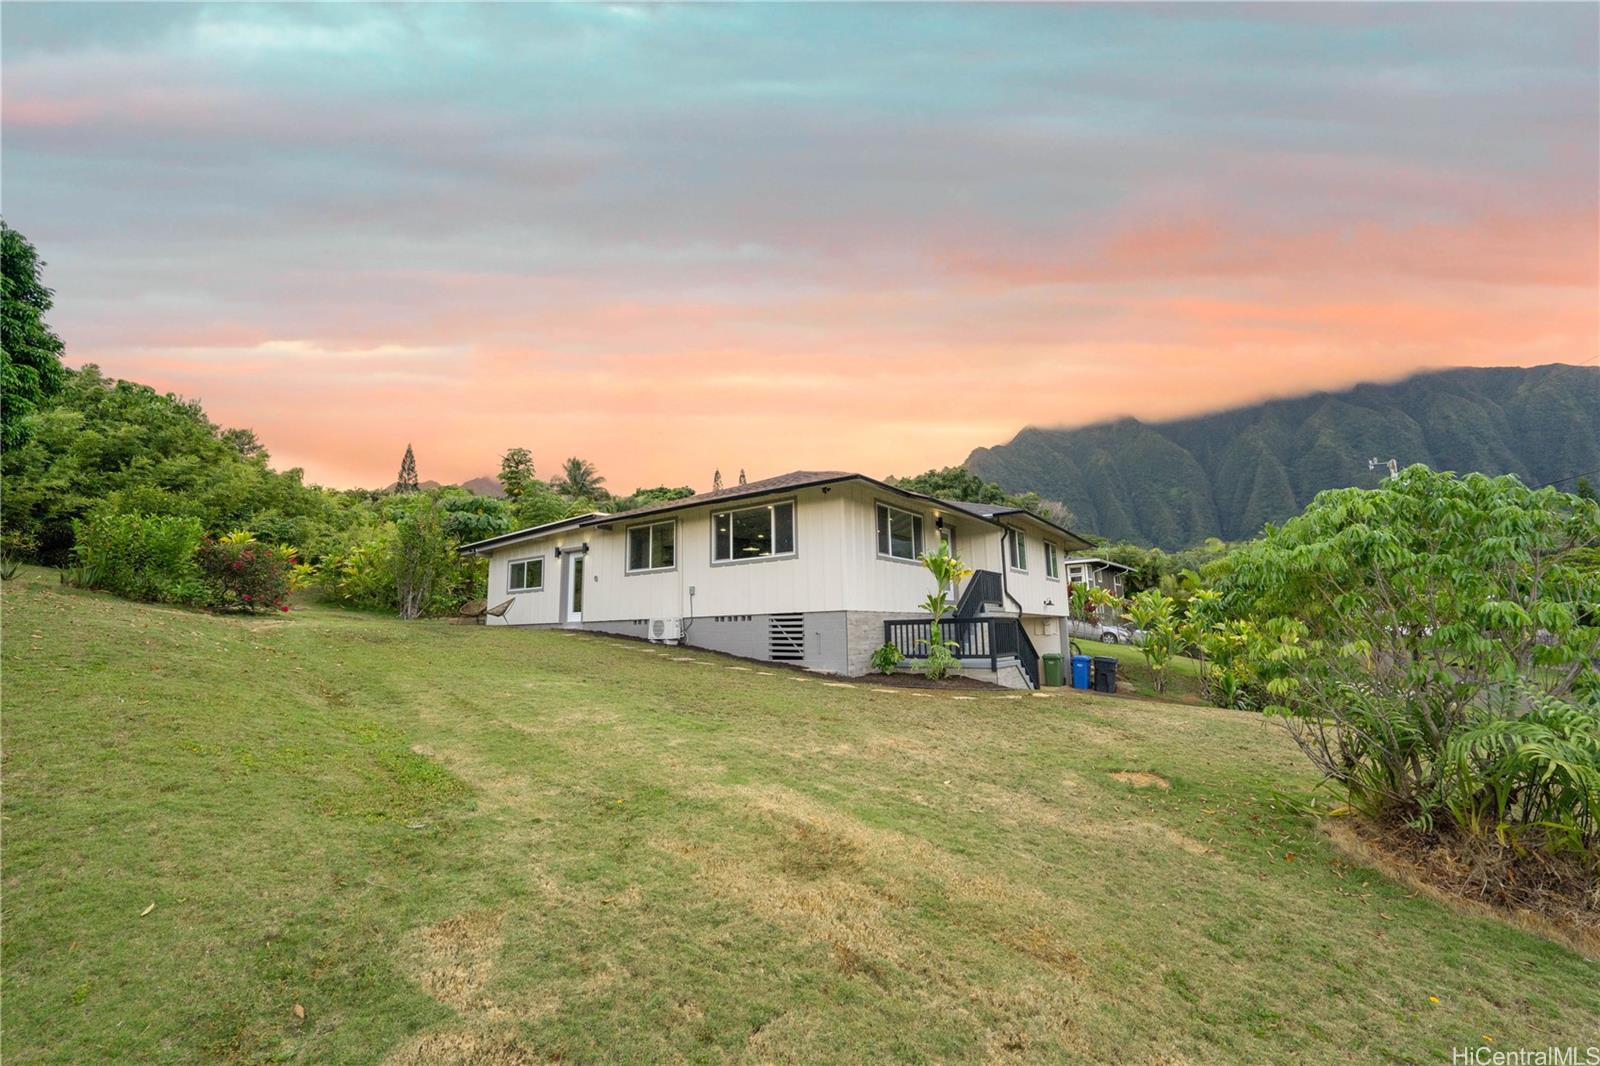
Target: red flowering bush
{"points": [[245, 575]]}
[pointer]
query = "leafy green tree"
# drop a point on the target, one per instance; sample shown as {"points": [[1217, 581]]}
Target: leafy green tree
{"points": [[468, 517], [538, 505], [955, 483], [30, 352], [122, 446], [516, 473], [1584, 490], [959, 483], [423, 554], [580, 481], [647, 497], [1434, 635]]}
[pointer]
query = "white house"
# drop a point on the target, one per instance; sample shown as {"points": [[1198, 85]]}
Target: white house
{"points": [[815, 568]]}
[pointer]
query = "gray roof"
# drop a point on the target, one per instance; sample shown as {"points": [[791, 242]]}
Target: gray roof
{"points": [[795, 479], [981, 510]]}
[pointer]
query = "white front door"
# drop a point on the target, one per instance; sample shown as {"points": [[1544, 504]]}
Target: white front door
{"points": [[575, 588]]}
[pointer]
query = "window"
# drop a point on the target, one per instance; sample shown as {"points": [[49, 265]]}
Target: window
{"points": [[899, 533], [652, 547], [525, 575], [1019, 549], [753, 532], [1052, 565]]}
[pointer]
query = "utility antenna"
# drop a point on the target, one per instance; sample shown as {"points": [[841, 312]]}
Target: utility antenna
{"points": [[1392, 464]]}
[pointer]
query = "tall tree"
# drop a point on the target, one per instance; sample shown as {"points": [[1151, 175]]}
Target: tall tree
{"points": [[716, 480], [742, 480], [516, 473], [407, 481], [30, 352], [580, 481]]}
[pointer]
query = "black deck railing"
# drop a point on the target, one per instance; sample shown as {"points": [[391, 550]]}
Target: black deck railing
{"points": [[983, 587], [969, 638]]}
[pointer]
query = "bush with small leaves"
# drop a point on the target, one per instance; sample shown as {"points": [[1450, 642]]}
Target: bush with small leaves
{"points": [[886, 660]]}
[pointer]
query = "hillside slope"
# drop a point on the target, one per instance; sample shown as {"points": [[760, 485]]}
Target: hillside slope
{"points": [[1172, 484], [452, 844]]}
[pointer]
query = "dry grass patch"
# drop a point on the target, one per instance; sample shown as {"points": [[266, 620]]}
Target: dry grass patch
{"points": [[1141, 779], [454, 959], [464, 1047]]}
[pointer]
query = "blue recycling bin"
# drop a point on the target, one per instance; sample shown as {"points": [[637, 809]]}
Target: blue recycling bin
{"points": [[1080, 671]]}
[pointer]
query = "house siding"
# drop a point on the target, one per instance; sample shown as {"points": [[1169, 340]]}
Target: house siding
{"points": [[836, 580]]}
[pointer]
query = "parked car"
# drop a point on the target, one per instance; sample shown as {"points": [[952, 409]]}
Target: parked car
{"points": [[1114, 634]]}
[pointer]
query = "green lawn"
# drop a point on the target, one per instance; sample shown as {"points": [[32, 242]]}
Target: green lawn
{"points": [[1183, 675], [458, 844]]}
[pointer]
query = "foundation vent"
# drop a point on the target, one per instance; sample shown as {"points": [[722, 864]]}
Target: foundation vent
{"points": [[786, 637]]}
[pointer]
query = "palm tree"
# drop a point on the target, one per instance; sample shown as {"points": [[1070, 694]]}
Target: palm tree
{"points": [[580, 481]]}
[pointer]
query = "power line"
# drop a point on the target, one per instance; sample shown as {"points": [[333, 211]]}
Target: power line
{"points": [[1569, 477]]}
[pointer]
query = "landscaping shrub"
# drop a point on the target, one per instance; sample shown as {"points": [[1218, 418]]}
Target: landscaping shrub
{"points": [[409, 559], [886, 660], [245, 575], [141, 557], [1433, 646]]}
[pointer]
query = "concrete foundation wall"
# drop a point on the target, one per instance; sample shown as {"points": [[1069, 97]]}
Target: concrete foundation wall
{"points": [[836, 642]]}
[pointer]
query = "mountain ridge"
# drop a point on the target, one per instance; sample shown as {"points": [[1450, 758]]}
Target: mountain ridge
{"points": [[1175, 482]]}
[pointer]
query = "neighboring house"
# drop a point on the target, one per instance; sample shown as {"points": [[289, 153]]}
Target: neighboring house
{"points": [[812, 568], [1085, 570], [1107, 623]]}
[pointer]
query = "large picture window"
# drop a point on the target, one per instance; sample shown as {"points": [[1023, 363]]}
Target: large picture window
{"points": [[899, 533], [753, 532], [1018, 545], [525, 575], [1052, 563], [652, 547]]}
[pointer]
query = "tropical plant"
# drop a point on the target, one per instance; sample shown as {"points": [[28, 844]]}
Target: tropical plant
{"points": [[948, 571], [579, 480], [886, 660], [1537, 773], [1154, 612], [467, 517], [1413, 637], [9, 568]]}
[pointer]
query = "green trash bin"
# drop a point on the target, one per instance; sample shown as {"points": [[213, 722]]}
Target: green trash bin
{"points": [[1052, 669]]}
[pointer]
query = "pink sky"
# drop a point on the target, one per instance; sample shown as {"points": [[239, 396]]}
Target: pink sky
{"points": [[872, 238]]}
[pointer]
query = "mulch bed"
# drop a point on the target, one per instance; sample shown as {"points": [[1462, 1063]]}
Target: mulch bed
{"points": [[918, 681], [1555, 898]]}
